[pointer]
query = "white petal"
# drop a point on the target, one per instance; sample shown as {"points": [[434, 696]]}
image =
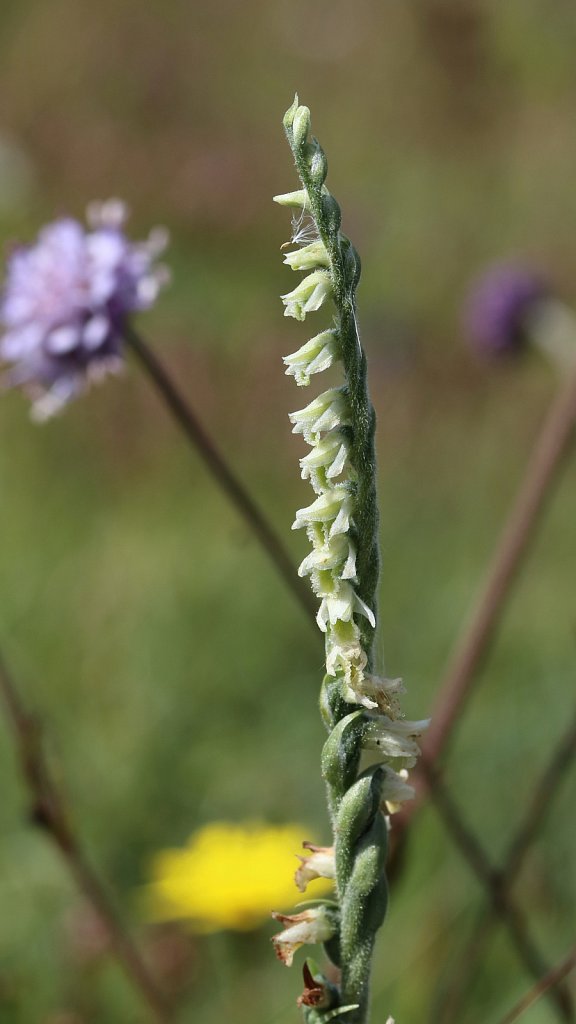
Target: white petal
{"points": [[322, 617], [341, 523], [62, 340], [339, 463], [95, 332], [363, 609], [349, 570]]}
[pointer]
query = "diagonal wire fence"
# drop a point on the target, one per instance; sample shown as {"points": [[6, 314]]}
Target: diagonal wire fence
{"points": [[552, 447], [497, 879]]}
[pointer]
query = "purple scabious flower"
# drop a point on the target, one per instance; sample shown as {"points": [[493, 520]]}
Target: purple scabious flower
{"points": [[66, 300], [498, 308]]}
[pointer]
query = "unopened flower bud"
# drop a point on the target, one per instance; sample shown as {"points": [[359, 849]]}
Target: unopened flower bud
{"points": [[289, 115], [298, 198], [332, 213], [300, 126], [318, 164]]}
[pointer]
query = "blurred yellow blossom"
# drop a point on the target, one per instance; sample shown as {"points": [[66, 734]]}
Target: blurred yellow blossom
{"points": [[228, 876]]}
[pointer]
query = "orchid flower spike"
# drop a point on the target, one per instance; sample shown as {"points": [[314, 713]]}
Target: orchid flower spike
{"points": [[361, 709]]}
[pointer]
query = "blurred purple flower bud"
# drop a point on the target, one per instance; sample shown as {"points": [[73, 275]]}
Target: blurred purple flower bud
{"points": [[66, 299], [498, 307]]}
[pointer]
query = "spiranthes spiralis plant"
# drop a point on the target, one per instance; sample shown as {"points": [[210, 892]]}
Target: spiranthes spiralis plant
{"points": [[360, 708]]}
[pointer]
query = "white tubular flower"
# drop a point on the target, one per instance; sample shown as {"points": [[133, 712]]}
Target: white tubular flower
{"points": [[335, 608], [327, 460], [308, 295], [336, 552], [320, 864], [341, 606], [334, 507], [308, 257], [396, 790], [314, 925], [299, 198], [329, 410], [394, 738], [346, 656], [316, 355]]}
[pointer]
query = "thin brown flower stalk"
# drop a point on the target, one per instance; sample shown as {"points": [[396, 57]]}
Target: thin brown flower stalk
{"points": [[544, 985], [551, 449], [48, 811], [497, 885], [498, 881], [234, 489]]}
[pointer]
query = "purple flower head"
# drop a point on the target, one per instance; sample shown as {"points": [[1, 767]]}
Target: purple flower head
{"points": [[498, 306], [66, 299]]}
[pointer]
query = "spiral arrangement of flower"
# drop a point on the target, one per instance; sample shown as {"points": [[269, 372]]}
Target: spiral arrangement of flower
{"points": [[360, 708]]}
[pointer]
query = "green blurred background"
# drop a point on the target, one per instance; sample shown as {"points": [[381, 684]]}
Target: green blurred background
{"points": [[176, 677]]}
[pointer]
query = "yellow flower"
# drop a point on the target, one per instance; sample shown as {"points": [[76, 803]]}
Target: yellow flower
{"points": [[228, 876]]}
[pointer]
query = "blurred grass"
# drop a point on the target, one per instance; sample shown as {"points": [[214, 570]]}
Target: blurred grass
{"points": [[177, 680]]}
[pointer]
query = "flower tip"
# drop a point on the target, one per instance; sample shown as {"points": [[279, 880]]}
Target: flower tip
{"points": [[498, 307], [289, 115], [299, 198]]}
